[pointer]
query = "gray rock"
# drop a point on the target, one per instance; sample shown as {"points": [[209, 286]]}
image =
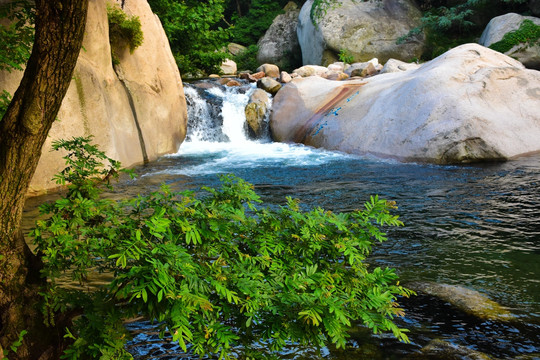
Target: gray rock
{"points": [[525, 53], [366, 29], [256, 112], [279, 45]]}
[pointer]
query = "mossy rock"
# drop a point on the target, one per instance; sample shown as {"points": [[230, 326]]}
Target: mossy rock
{"points": [[469, 301]]}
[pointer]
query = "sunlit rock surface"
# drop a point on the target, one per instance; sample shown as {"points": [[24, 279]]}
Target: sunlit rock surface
{"points": [[151, 123], [470, 104]]}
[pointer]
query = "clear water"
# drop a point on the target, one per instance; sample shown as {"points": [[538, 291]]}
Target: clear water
{"points": [[477, 226]]}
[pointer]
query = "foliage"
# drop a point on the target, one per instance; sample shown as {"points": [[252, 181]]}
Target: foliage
{"points": [[124, 31], [448, 24], [195, 33], [17, 36], [216, 270], [249, 28], [346, 56], [247, 60], [527, 34], [13, 346], [5, 99]]}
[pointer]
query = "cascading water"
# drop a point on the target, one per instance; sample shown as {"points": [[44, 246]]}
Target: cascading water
{"points": [[216, 114]]}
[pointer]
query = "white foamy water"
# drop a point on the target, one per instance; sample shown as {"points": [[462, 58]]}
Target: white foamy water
{"points": [[225, 157], [239, 151]]}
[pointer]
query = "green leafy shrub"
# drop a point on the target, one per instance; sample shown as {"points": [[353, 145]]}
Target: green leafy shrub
{"points": [[5, 100], [17, 34], [195, 32], [346, 56], [248, 29], [527, 34], [247, 60], [124, 31], [218, 271]]}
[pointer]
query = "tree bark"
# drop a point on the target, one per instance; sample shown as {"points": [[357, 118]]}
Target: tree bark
{"points": [[23, 130]]}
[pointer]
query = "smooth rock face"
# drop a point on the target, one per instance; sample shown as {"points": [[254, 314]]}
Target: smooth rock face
{"points": [[97, 101], [228, 67], [279, 45], [310, 70], [470, 104], [469, 301], [367, 29], [525, 53]]}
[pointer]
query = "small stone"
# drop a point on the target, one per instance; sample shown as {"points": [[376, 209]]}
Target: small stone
{"points": [[214, 76], [233, 83], [285, 77], [269, 85], [270, 70]]}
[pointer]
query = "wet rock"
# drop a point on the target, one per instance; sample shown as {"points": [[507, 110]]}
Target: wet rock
{"points": [[469, 301], [256, 111], [232, 82], [443, 350], [269, 85], [269, 70]]}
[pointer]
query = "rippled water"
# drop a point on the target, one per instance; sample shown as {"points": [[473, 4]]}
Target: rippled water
{"points": [[476, 226]]}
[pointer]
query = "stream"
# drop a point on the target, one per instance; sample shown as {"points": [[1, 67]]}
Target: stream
{"points": [[476, 226]]}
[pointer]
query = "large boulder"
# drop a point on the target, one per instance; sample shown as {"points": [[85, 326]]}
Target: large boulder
{"points": [[366, 29], [135, 111], [279, 45], [469, 104], [528, 54]]}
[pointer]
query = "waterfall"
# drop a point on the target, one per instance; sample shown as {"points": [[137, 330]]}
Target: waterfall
{"points": [[216, 112]]}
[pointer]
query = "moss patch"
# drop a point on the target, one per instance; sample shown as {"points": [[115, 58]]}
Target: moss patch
{"points": [[528, 33]]}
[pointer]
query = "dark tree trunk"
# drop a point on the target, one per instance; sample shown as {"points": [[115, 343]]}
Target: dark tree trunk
{"points": [[23, 130]]}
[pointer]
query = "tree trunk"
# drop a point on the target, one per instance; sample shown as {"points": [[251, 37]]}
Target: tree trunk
{"points": [[23, 130]]}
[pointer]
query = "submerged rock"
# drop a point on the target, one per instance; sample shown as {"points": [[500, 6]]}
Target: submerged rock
{"points": [[469, 301], [470, 104], [444, 350]]}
